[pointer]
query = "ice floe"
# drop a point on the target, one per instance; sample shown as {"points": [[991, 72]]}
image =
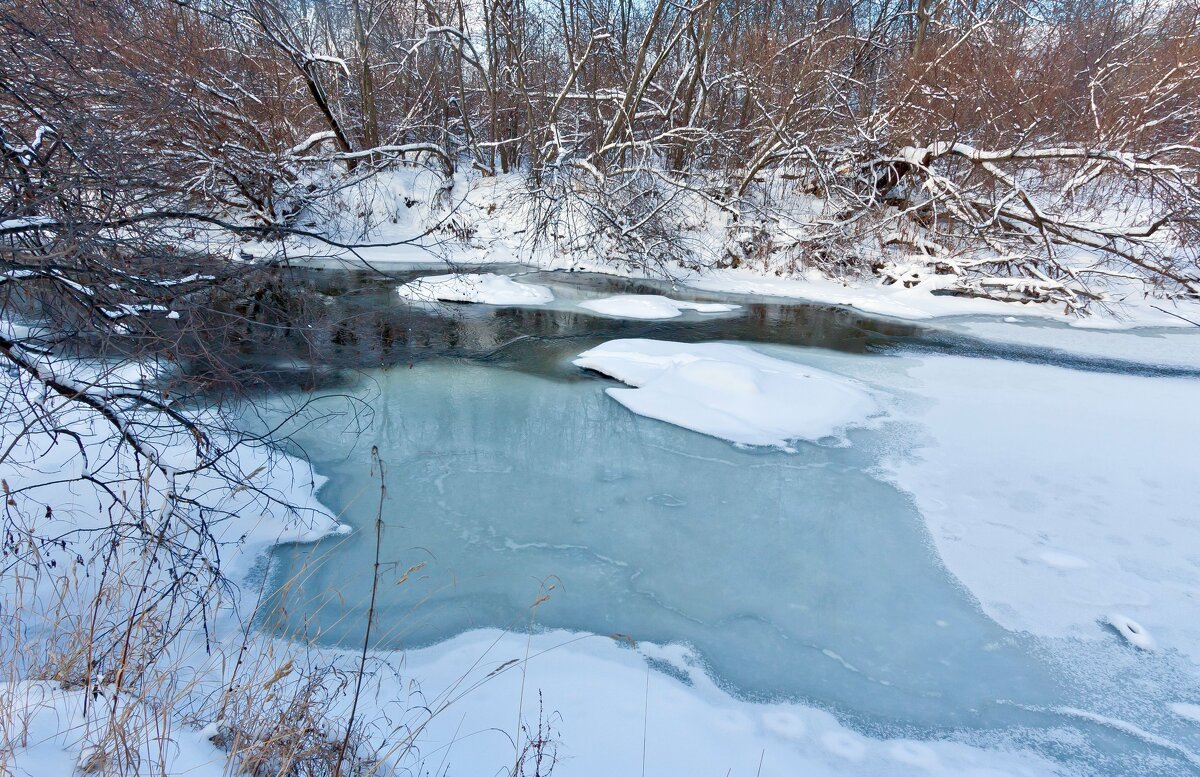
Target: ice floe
{"points": [[486, 288], [730, 391], [651, 306]]}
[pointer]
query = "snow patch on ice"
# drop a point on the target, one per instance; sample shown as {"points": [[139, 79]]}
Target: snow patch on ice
{"points": [[1059, 560], [915, 754], [608, 708], [785, 724], [486, 288], [1132, 631], [730, 391], [844, 744], [650, 306], [1059, 496], [1186, 710]]}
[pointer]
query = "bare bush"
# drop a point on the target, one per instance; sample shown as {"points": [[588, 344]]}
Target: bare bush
{"points": [[1020, 149]]}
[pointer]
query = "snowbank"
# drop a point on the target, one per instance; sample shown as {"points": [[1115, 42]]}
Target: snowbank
{"points": [[275, 503], [486, 288], [729, 391], [896, 302], [398, 221], [27, 221], [84, 490], [1126, 306], [605, 705], [605, 710], [650, 306], [57, 742]]}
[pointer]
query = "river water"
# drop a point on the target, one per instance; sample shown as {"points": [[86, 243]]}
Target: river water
{"points": [[520, 496]]}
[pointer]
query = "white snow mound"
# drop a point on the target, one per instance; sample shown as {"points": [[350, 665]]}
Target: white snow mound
{"points": [[730, 391], [650, 306], [1133, 632], [486, 288]]}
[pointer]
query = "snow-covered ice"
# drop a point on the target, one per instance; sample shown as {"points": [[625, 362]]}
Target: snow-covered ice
{"points": [[650, 306], [486, 288], [858, 614], [1132, 631], [1187, 710], [607, 711], [730, 391], [1059, 496], [609, 705], [1153, 346]]}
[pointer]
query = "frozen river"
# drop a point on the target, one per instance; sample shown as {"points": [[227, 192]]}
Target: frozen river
{"points": [[948, 567]]}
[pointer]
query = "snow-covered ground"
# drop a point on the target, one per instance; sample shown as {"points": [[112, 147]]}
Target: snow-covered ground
{"points": [[411, 218], [606, 711]]}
